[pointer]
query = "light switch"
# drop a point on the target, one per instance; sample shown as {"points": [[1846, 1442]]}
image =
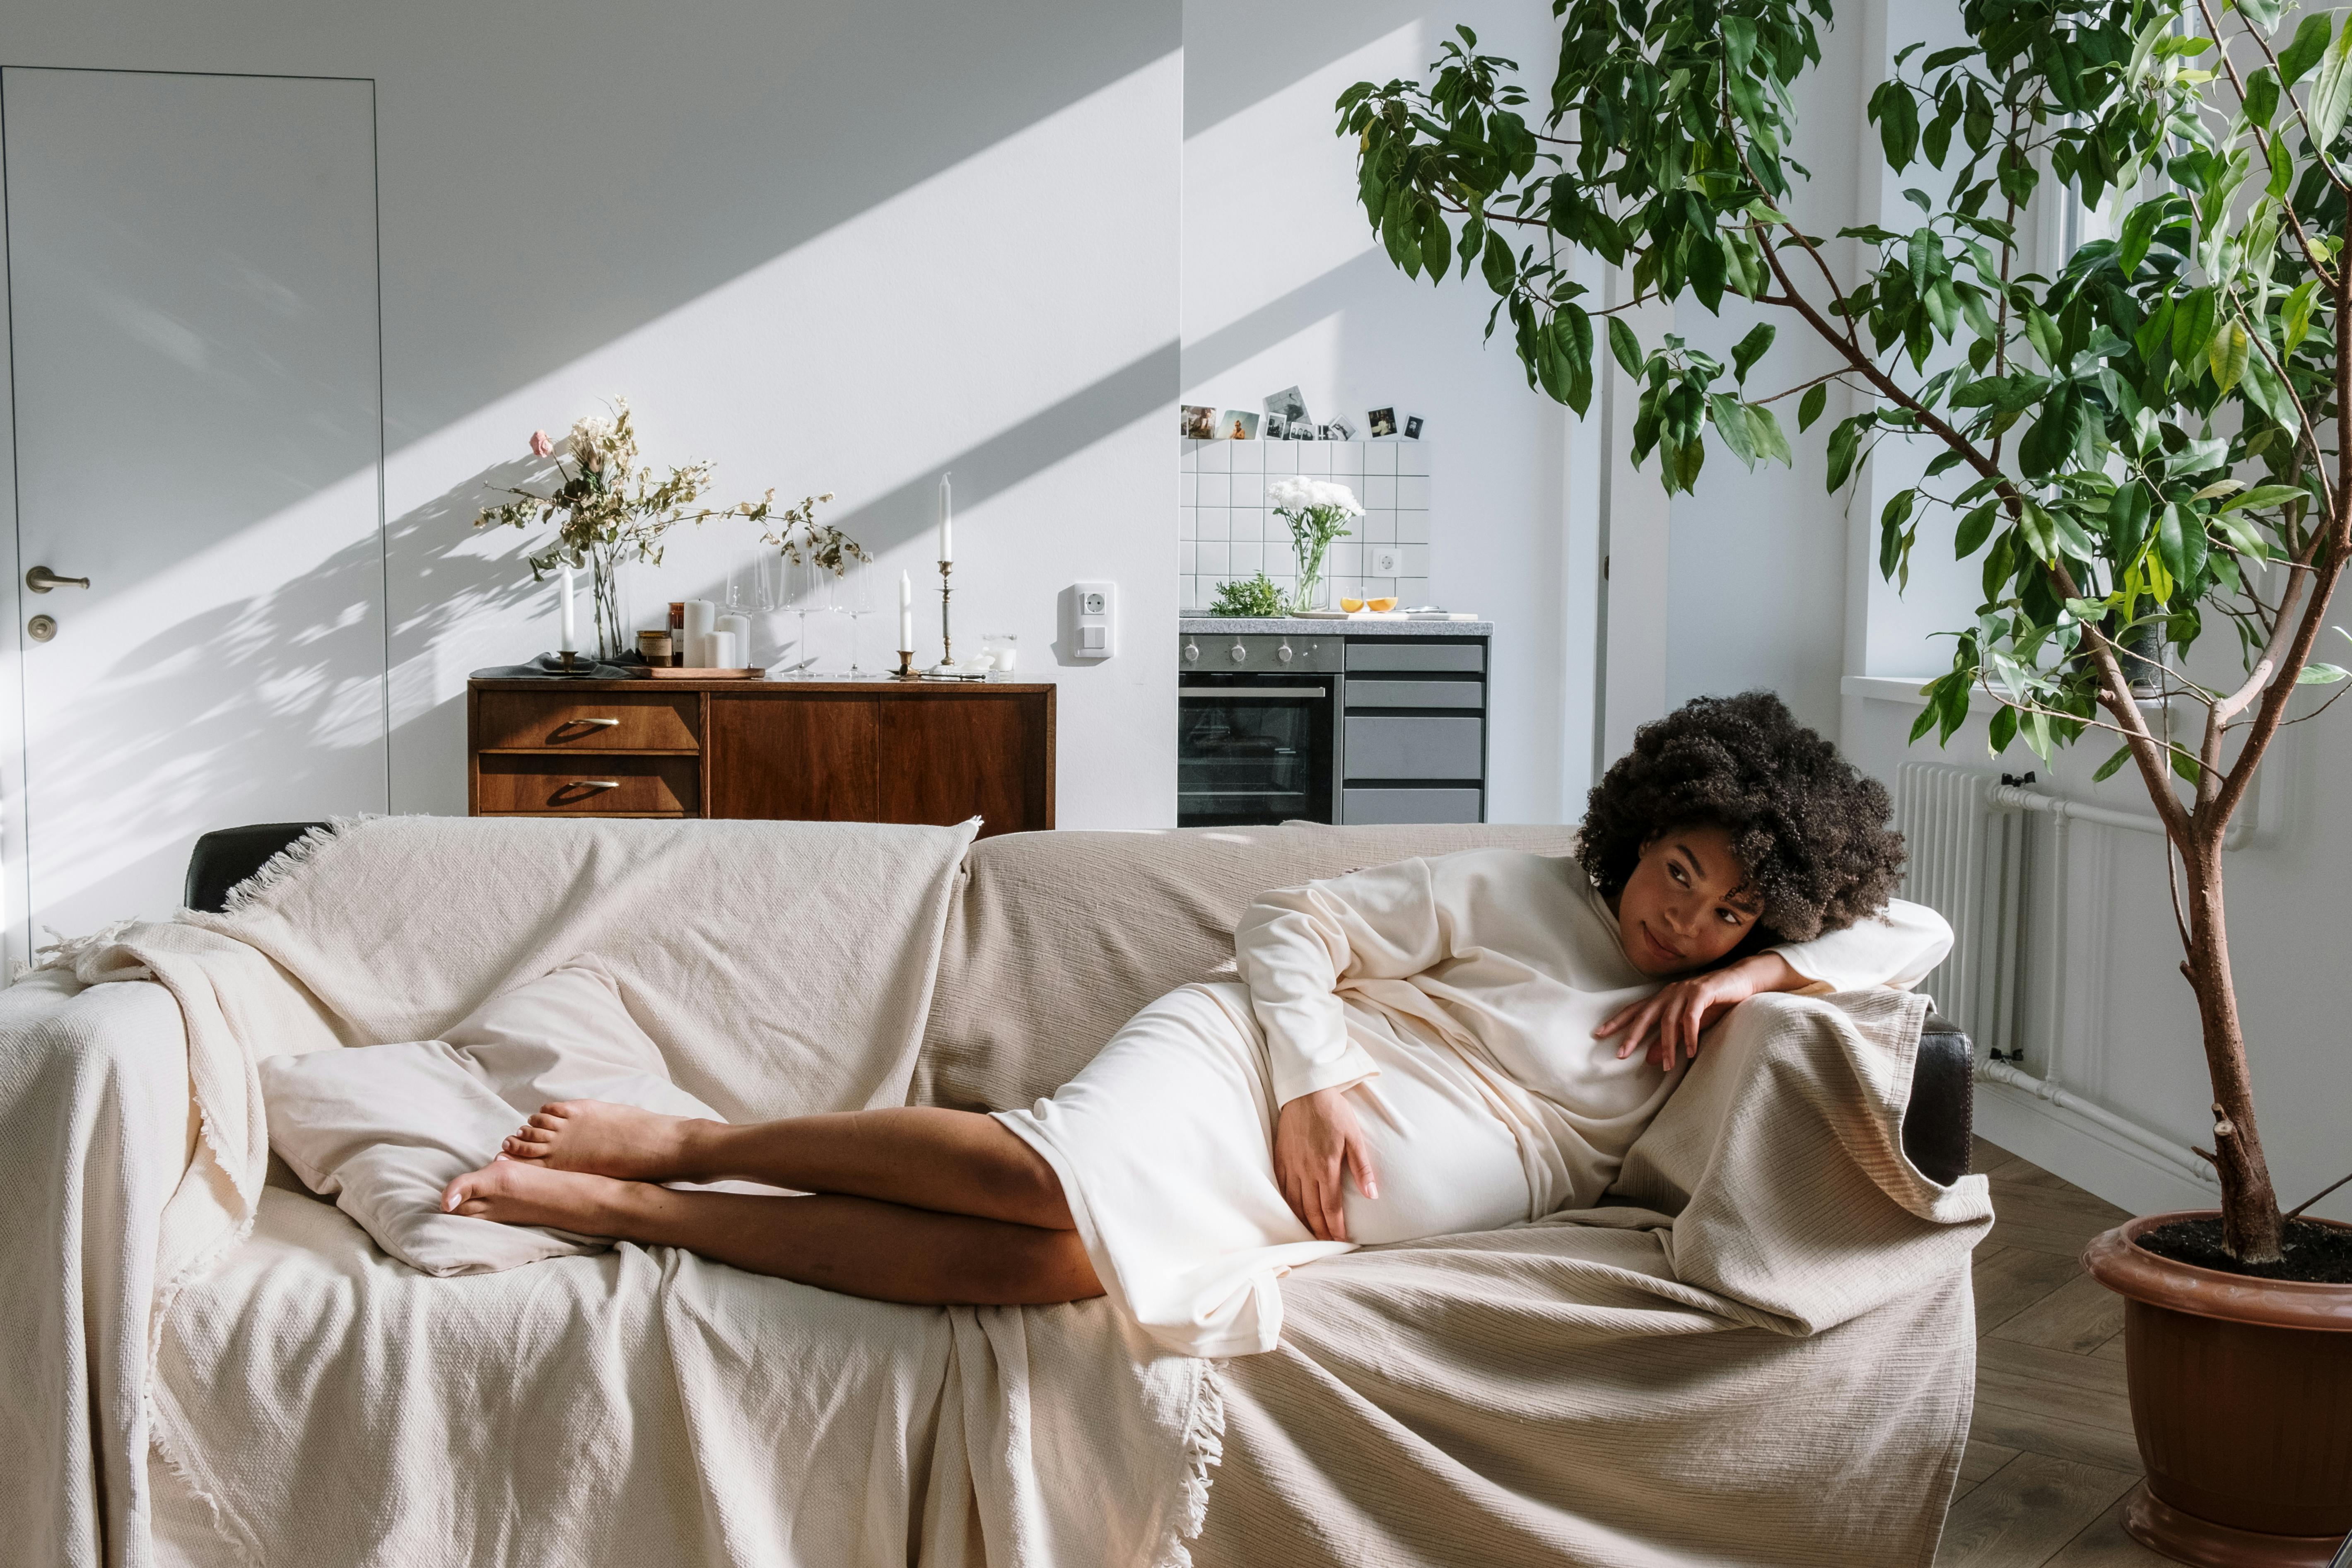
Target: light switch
{"points": [[1092, 628]]}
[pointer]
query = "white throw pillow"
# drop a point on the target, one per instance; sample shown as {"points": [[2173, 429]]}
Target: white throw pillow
{"points": [[383, 1130]]}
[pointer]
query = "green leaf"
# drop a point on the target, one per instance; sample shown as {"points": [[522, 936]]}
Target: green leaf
{"points": [[2116, 759], [1898, 117], [2331, 90], [1626, 346], [2044, 334], [2295, 314], [2264, 496], [2264, 14], [2310, 43], [2320, 675], [2138, 233], [2180, 543], [2262, 95], [2128, 511], [1749, 349], [1976, 525], [2192, 326], [1846, 445], [2184, 765], [1731, 424], [1810, 407], [2002, 730], [2231, 345], [1891, 520], [1771, 442]]}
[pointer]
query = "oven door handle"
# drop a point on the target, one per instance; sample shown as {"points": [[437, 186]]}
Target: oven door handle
{"points": [[1247, 693]]}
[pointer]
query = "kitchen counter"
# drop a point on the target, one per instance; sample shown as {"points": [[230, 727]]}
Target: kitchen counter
{"points": [[1300, 625]]}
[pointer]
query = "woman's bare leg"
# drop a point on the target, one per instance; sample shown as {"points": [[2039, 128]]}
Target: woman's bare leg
{"points": [[956, 1161], [885, 1251]]}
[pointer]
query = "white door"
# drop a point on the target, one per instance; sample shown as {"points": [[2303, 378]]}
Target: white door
{"points": [[198, 424]]}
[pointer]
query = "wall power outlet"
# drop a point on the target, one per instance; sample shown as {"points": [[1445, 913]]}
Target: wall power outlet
{"points": [[1090, 620], [1384, 563]]}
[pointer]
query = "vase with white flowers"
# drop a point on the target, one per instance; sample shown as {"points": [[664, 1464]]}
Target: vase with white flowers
{"points": [[1318, 511], [608, 510]]}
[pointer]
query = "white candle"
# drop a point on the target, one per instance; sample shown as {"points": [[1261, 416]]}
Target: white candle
{"points": [[723, 646], [906, 614], [740, 628], [571, 617], [946, 519], [700, 614]]}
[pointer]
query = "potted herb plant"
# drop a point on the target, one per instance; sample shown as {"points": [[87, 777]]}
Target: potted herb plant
{"points": [[2143, 448]]}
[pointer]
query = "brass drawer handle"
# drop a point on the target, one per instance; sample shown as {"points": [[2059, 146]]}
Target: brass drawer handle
{"points": [[600, 723], [594, 784]]}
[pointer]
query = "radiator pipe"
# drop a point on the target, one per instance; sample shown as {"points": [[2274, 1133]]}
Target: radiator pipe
{"points": [[2176, 1157]]}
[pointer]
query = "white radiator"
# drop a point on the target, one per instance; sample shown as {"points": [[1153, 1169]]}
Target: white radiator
{"points": [[1967, 863]]}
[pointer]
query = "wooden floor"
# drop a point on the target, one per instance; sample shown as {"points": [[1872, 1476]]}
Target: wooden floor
{"points": [[2051, 1454]]}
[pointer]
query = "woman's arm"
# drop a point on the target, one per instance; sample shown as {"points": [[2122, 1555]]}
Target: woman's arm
{"points": [[1292, 947], [1896, 947]]}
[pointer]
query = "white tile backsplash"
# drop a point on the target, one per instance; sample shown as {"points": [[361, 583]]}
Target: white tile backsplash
{"points": [[1227, 532]]}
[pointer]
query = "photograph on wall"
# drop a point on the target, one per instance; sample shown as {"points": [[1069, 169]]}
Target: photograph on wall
{"points": [[1276, 429], [1237, 425], [1199, 424], [1380, 422], [1413, 428], [1290, 407], [1341, 429]]}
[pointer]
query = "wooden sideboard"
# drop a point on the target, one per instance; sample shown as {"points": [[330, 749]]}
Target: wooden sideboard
{"points": [[827, 751]]}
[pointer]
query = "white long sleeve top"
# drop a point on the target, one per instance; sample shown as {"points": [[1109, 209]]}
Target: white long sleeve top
{"points": [[1511, 959]]}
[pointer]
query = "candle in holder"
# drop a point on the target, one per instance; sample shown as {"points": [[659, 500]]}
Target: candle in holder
{"points": [[946, 519], [906, 614], [570, 642]]}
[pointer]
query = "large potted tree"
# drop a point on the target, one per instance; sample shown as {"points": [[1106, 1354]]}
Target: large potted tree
{"points": [[2144, 447]]}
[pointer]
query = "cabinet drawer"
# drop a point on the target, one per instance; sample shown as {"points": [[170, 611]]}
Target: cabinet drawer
{"points": [[1364, 693], [599, 786], [590, 720], [1358, 805], [1407, 653], [1417, 748]]}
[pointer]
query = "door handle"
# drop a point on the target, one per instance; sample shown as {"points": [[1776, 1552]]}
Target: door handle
{"points": [[40, 580]]}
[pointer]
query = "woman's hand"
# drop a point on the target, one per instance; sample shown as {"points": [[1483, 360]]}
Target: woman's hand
{"points": [[1316, 1140], [1671, 1019]]}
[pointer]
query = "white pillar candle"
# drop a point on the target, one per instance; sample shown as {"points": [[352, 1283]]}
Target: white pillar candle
{"points": [[700, 615], [946, 519], [740, 628], [723, 646], [570, 642], [1007, 656], [906, 614]]}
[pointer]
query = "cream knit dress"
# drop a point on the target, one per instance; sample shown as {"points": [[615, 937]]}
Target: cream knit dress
{"points": [[1455, 1000]]}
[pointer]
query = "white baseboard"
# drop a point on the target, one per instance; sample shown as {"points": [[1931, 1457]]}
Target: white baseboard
{"points": [[2084, 1153]]}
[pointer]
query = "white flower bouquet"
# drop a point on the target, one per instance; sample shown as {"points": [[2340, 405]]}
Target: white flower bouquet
{"points": [[1318, 511]]}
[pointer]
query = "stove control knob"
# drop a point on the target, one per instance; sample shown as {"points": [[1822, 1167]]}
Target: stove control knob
{"points": [[1284, 653], [1191, 653], [1240, 654]]}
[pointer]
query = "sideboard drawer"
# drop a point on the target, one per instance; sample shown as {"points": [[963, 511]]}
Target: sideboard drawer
{"points": [[591, 722], [599, 786]]}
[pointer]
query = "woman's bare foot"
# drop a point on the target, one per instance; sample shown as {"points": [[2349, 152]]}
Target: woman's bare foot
{"points": [[520, 1191], [599, 1138]]}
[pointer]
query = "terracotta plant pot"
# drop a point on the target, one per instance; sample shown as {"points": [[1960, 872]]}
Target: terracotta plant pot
{"points": [[2242, 1400]]}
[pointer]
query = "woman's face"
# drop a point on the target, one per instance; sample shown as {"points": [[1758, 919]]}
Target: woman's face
{"points": [[1686, 904]]}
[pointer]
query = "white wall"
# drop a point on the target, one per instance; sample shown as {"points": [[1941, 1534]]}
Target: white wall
{"points": [[1284, 284], [831, 248]]}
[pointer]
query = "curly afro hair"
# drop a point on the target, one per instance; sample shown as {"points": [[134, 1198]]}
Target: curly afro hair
{"points": [[1810, 829]]}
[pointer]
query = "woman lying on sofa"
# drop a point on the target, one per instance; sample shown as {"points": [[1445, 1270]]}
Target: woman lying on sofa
{"points": [[1416, 1049]]}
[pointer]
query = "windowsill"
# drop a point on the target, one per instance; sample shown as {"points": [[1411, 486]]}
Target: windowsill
{"points": [[1902, 688]]}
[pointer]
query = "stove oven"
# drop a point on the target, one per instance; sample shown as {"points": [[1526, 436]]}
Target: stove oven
{"points": [[1257, 729]]}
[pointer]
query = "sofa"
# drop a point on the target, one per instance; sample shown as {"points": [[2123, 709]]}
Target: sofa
{"points": [[1704, 1370]]}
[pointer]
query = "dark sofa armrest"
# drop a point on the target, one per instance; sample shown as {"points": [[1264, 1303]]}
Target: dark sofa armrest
{"points": [[228, 856], [1938, 1124]]}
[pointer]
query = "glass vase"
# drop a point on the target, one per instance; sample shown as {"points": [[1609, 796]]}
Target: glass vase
{"points": [[607, 588], [1313, 589]]}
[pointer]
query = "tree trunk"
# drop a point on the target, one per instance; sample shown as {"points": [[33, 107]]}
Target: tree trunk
{"points": [[2251, 1227]]}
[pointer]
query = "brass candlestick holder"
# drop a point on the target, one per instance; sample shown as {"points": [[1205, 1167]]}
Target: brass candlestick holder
{"points": [[905, 670]]}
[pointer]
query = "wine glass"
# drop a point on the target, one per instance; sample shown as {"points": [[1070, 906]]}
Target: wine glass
{"points": [[853, 595], [808, 590], [740, 598]]}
